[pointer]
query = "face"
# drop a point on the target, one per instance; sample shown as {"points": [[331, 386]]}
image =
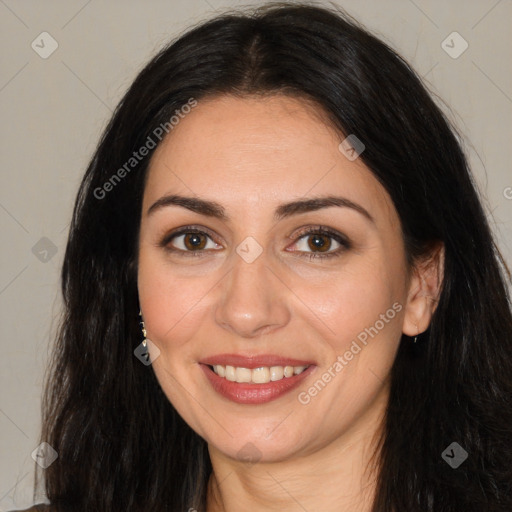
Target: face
{"points": [[239, 267]]}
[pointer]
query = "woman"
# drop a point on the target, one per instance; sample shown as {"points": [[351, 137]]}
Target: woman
{"points": [[281, 290]]}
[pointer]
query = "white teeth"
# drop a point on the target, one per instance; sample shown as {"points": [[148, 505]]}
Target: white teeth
{"points": [[230, 373], [243, 375], [261, 375], [276, 373]]}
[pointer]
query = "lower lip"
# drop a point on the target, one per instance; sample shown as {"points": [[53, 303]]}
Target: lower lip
{"points": [[248, 393]]}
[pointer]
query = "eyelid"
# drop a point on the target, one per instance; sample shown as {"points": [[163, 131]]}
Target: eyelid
{"points": [[319, 228], [344, 242], [183, 230]]}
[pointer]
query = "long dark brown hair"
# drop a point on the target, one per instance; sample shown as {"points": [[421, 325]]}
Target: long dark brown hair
{"points": [[121, 445]]}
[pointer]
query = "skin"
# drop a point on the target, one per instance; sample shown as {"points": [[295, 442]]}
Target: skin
{"points": [[252, 155]]}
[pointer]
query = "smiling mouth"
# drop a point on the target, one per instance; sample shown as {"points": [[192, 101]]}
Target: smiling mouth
{"points": [[261, 375], [262, 389]]}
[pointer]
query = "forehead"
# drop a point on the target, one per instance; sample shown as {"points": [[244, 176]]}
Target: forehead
{"points": [[252, 152]]}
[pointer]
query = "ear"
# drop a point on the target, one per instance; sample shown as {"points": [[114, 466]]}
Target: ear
{"points": [[423, 292]]}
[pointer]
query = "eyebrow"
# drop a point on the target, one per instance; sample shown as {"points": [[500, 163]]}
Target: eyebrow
{"points": [[215, 210]]}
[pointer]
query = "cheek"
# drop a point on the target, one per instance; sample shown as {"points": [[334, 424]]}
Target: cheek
{"points": [[363, 310], [171, 303], [353, 298]]}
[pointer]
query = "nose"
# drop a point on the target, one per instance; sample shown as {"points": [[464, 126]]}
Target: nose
{"points": [[254, 300]]}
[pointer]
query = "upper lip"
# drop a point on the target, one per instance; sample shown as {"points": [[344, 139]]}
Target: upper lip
{"points": [[254, 361]]}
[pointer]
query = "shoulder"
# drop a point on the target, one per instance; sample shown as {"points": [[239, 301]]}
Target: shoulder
{"points": [[36, 508]]}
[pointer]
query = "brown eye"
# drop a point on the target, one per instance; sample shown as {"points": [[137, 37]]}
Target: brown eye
{"points": [[194, 241], [189, 241], [319, 242]]}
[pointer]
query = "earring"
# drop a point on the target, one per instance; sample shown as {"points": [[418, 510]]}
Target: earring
{"points": [[144, 342], [416, 337]]}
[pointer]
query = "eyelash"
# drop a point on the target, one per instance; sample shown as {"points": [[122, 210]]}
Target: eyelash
{"points": [[312, 230], [323, 230]]}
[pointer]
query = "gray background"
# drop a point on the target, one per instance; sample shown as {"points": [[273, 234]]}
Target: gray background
{"points": [[53, 111]]}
